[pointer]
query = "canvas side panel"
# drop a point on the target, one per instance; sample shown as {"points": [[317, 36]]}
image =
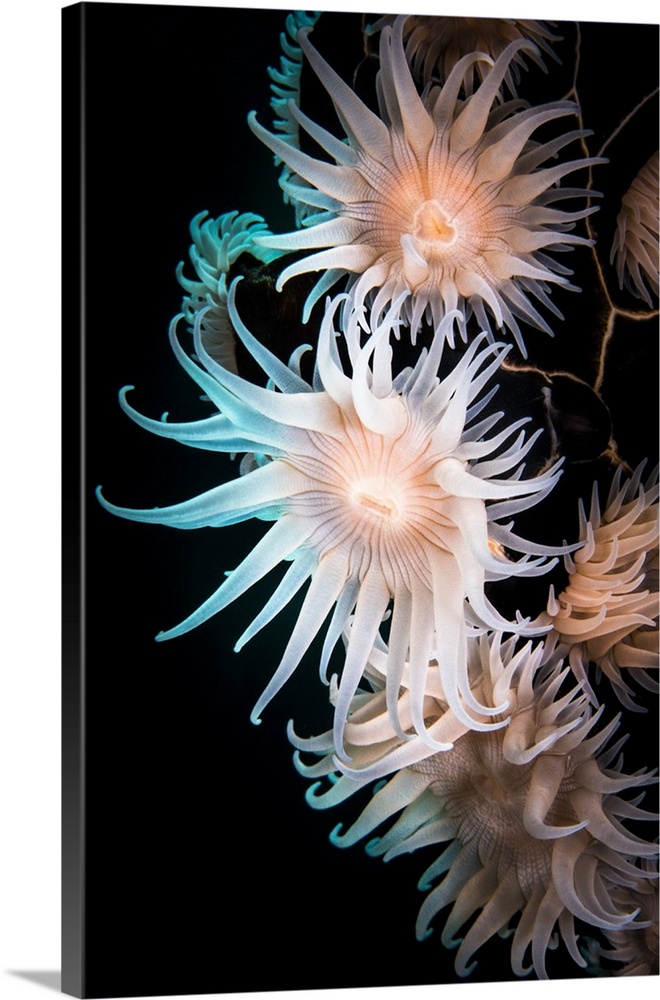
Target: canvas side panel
{"points": [[73, 841]]}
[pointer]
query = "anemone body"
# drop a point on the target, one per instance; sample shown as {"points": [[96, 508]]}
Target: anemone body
{"points": [[635, 250], [378, 487], [531, 811], [439, 196], [217, 244], [434, 45], [607, 615]]}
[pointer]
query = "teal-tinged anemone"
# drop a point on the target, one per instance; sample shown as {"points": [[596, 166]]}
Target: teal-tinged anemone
{"points": [[217, 244], [285, 87], [441, 197], [531, 814], [383, 489]]}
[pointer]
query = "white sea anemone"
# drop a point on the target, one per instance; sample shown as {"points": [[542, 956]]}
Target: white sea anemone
{"points": [[636, 248], [382, 490], [439, 196], [434, 45], [217, 244], [531, 811], [608, 612]]}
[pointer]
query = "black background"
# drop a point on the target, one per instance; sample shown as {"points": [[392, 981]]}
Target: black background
{"points": [[205, 869]]}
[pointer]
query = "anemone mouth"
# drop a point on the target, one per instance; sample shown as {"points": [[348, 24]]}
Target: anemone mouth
{"points": [[377, 501], [432, 227], [376, 488]]}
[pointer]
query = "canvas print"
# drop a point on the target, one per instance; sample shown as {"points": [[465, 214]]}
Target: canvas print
{"points": [[370, 388]]}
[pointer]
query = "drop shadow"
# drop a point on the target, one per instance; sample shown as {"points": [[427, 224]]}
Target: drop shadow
{"points": [[49, 980]]}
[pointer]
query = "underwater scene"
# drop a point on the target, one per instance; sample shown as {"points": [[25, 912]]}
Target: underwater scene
{"points": [[371, 313]]}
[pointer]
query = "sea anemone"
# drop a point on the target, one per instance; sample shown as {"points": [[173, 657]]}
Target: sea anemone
{"points": [[439, 196], [434, 45], [531, 811], [635, 247], [217, 244], [285, 87], [383, 489], [637, 946], [608, 612]]}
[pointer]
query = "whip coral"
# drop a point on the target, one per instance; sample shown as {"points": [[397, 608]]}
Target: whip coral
{"points": [[435, 44], [439, 196], [378, 487], [635, 249], [531, 811], [608, 612]]}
